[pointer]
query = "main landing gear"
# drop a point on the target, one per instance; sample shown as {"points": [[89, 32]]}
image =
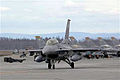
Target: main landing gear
{"points": [[51, 63], [70, 63]]}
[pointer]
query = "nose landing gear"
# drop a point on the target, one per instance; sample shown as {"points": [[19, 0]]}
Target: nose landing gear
{"points": [[51, 63]]}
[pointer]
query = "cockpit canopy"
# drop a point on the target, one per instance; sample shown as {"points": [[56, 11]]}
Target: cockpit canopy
{"points": [[52, 42]]}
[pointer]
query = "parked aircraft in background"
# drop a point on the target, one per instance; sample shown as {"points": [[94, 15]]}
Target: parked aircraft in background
{"points": [[103, 44], [74, 43], [116, 45], [115, 42], [88, 43], [40, 42]]}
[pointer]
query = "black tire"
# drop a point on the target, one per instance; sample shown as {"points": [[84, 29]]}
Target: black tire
{"points": [[97, 57], [21, 56], [49, 66], [5, 59], [72, 65], [118, 54], [53, 66], [35, 57], [21, 61]]}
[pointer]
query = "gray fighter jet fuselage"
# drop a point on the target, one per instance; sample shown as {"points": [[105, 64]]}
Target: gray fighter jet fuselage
{"points": [[54, 51]]}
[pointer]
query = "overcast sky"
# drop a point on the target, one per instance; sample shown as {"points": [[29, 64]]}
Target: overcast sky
{"points": [[50, 16]]}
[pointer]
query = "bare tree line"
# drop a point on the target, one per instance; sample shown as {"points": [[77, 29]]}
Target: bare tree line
{"points": [[11, 44]]}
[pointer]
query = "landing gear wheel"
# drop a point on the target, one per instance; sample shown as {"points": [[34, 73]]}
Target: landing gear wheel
{"points": [[21, 61], [53, 66], [35, 57], [118, 54], [72, 65], [49, 66]]}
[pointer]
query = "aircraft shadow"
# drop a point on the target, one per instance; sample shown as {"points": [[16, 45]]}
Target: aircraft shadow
{"points": [[81, 68], [63, 68]]}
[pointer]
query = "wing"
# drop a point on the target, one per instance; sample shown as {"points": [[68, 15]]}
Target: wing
{"points": [[88, 49], [111, 50], [76, 54], [79, 50]]}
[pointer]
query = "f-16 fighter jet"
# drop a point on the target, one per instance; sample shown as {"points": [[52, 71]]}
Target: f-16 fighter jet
{"points": [[54, 51]]}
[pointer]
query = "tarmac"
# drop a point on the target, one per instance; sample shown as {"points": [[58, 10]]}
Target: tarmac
{"points": [[94, 69]]}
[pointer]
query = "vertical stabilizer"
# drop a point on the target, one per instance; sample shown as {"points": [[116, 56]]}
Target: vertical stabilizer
{"points": [[67, 29], [115, 41], [37, 37], [40, 42]]}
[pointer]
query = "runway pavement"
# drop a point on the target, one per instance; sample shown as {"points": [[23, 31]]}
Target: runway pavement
{"points": [[101, 69]]}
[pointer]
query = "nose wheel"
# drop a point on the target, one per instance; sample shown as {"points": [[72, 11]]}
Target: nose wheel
{"points": [[51, 64]]}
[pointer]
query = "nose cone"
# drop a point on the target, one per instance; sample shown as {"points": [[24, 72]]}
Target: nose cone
{"points": [[50, 52]]}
